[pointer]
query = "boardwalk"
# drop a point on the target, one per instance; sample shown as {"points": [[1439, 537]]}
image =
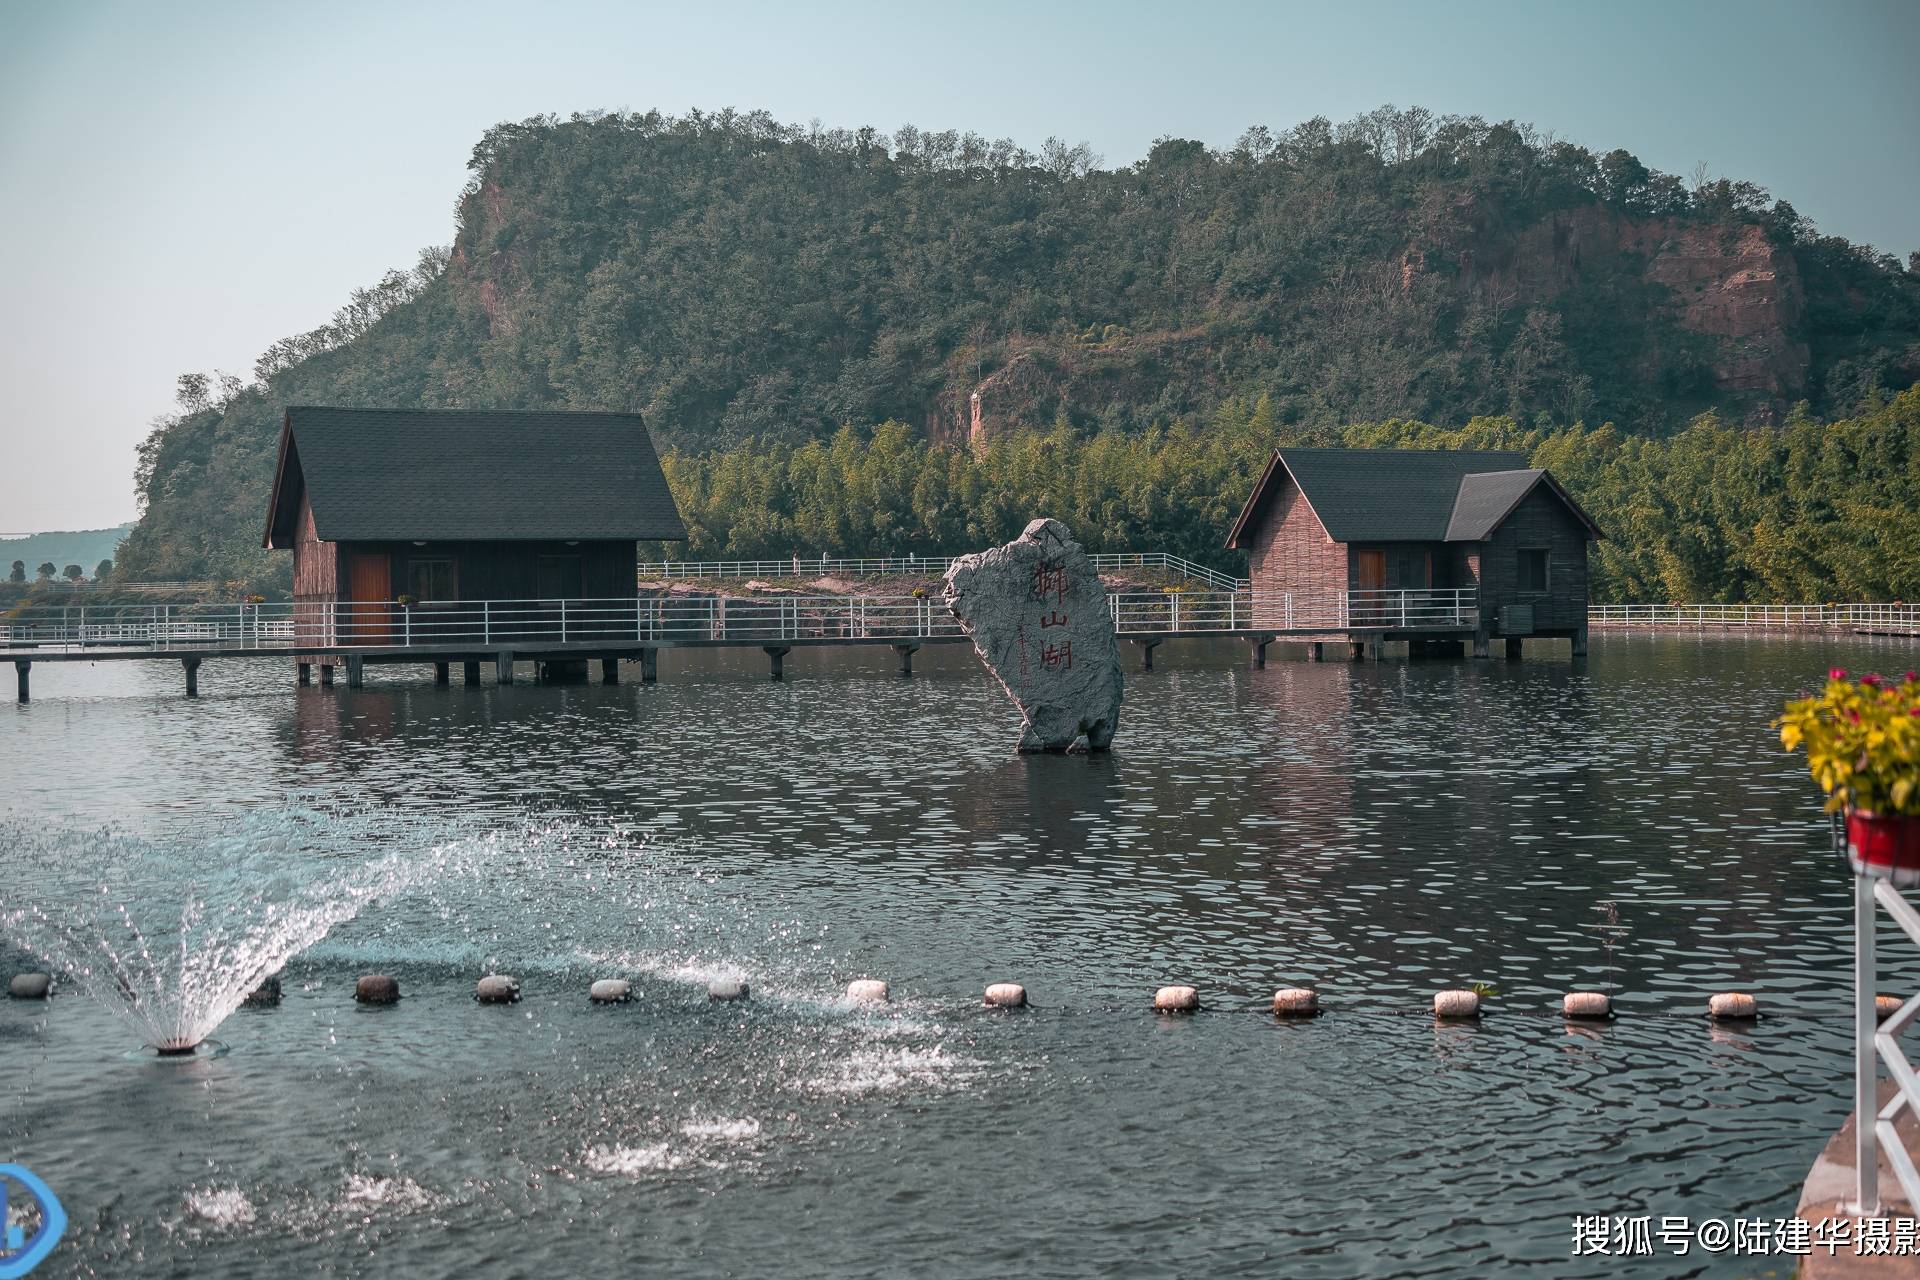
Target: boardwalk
{"points": [[575, 632]]}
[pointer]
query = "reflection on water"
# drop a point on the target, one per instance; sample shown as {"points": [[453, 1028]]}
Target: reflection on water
{"points": [[1375, 830]]}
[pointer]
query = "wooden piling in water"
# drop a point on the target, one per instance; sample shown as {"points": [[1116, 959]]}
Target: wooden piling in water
{"points": [[1514, 645], [356, 670], [609, 671], [20, 670], [649, 666], [1146, 653], [777, 655], [192, 666], [442, 672], [906, 652], [503, 667], [303, 672], [326, 675], [470, 674]]}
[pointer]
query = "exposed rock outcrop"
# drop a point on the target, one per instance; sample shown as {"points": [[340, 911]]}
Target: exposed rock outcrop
{"points": [[1038, 618], [1727, 282]]}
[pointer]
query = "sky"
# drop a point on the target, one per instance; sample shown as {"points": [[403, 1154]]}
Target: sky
{"points": [[182, 184]]}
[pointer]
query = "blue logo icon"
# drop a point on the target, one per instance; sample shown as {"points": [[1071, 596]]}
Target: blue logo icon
{"points": [[19, 1252]]}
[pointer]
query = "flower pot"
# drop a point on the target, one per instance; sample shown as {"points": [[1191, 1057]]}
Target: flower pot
{"points": [[1884, 846]]}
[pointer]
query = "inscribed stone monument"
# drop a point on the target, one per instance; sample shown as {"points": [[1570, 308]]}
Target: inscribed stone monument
{"points": [[1038, 617]]}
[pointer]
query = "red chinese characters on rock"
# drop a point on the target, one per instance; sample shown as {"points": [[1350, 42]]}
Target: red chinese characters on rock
{"points": [[1049, 583], [1049, 579]]}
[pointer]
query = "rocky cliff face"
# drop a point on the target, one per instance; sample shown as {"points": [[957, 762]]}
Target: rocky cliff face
{"points": [[1729, 284]]}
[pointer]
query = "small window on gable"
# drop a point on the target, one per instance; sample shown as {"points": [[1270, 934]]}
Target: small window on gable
{"points": [[1533, 569]]}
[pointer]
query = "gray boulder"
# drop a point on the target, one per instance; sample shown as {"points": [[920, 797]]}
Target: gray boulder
{"points": [[1039, 619]]}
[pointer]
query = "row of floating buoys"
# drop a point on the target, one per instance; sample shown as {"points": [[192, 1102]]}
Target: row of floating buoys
{"points": [[1452, 1005], [504, 988]]}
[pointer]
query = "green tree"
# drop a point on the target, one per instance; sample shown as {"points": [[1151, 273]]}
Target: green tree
{"points": [[19, 573], [73, 573], [102, 570], [45, 571]]}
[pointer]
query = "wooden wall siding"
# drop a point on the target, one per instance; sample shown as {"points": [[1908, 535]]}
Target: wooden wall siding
{"points": [[508, 570], [316, 564], [316, 576], [1290, 551], [1406, 564], [1539, 521]]}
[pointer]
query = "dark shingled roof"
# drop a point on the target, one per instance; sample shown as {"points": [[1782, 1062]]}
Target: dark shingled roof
{"points": [[1405, 495], [1484, 499], [460, 475]]}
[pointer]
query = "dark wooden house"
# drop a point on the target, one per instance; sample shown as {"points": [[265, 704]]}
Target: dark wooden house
{"points": [[446, 506], [1371, 524]]}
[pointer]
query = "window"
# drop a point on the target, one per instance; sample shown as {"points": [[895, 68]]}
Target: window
{"points": [[431, 580], [1533, 569], [557, 578]]}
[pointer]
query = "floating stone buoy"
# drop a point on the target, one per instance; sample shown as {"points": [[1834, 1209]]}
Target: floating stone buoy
{"points": [[1296, 1002], [729, 989], [1176, 1000], [30, 986], [1733, 1006], [868, 991], [267, 994], [1007, 995], [376, 988], [1587, 1005], [497, 988], [1885, 1007], [1456, 1004], [610, 991]]}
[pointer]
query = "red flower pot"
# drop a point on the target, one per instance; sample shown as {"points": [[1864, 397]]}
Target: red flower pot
{"points": [[1884, 846]]}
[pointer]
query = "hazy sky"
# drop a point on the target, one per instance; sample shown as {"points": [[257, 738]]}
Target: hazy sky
{"points": [[185, 183]]}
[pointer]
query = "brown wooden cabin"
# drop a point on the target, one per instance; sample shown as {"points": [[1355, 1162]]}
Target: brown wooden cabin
{"points": [[453, 506], [1323, 521]]}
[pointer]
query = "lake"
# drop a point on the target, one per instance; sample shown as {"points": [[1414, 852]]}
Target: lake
{"points": [[1378, 831]]}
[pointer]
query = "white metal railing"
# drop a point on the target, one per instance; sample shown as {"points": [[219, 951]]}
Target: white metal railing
{"points": [[1877, 1043], [644, 620], [1760, 617], [929, 566]]}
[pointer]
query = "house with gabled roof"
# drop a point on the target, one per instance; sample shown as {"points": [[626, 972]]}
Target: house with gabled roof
{"points": [[432, 507], [1381, 527]]}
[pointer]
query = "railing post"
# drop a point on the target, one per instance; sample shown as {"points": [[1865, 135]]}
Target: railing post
{"points": [[486, 622], [1866, 1090], [406, 627], [563, 621], [1403, 611]]}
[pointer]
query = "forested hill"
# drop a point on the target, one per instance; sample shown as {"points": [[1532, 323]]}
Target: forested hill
{"points": [[750, 284]]}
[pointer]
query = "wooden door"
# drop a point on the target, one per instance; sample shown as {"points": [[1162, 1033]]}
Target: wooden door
{"points": [[1370, 579], [370, 588]]}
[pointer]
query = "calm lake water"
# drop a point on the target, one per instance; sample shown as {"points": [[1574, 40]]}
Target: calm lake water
{"points": [[1378, 831]]}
